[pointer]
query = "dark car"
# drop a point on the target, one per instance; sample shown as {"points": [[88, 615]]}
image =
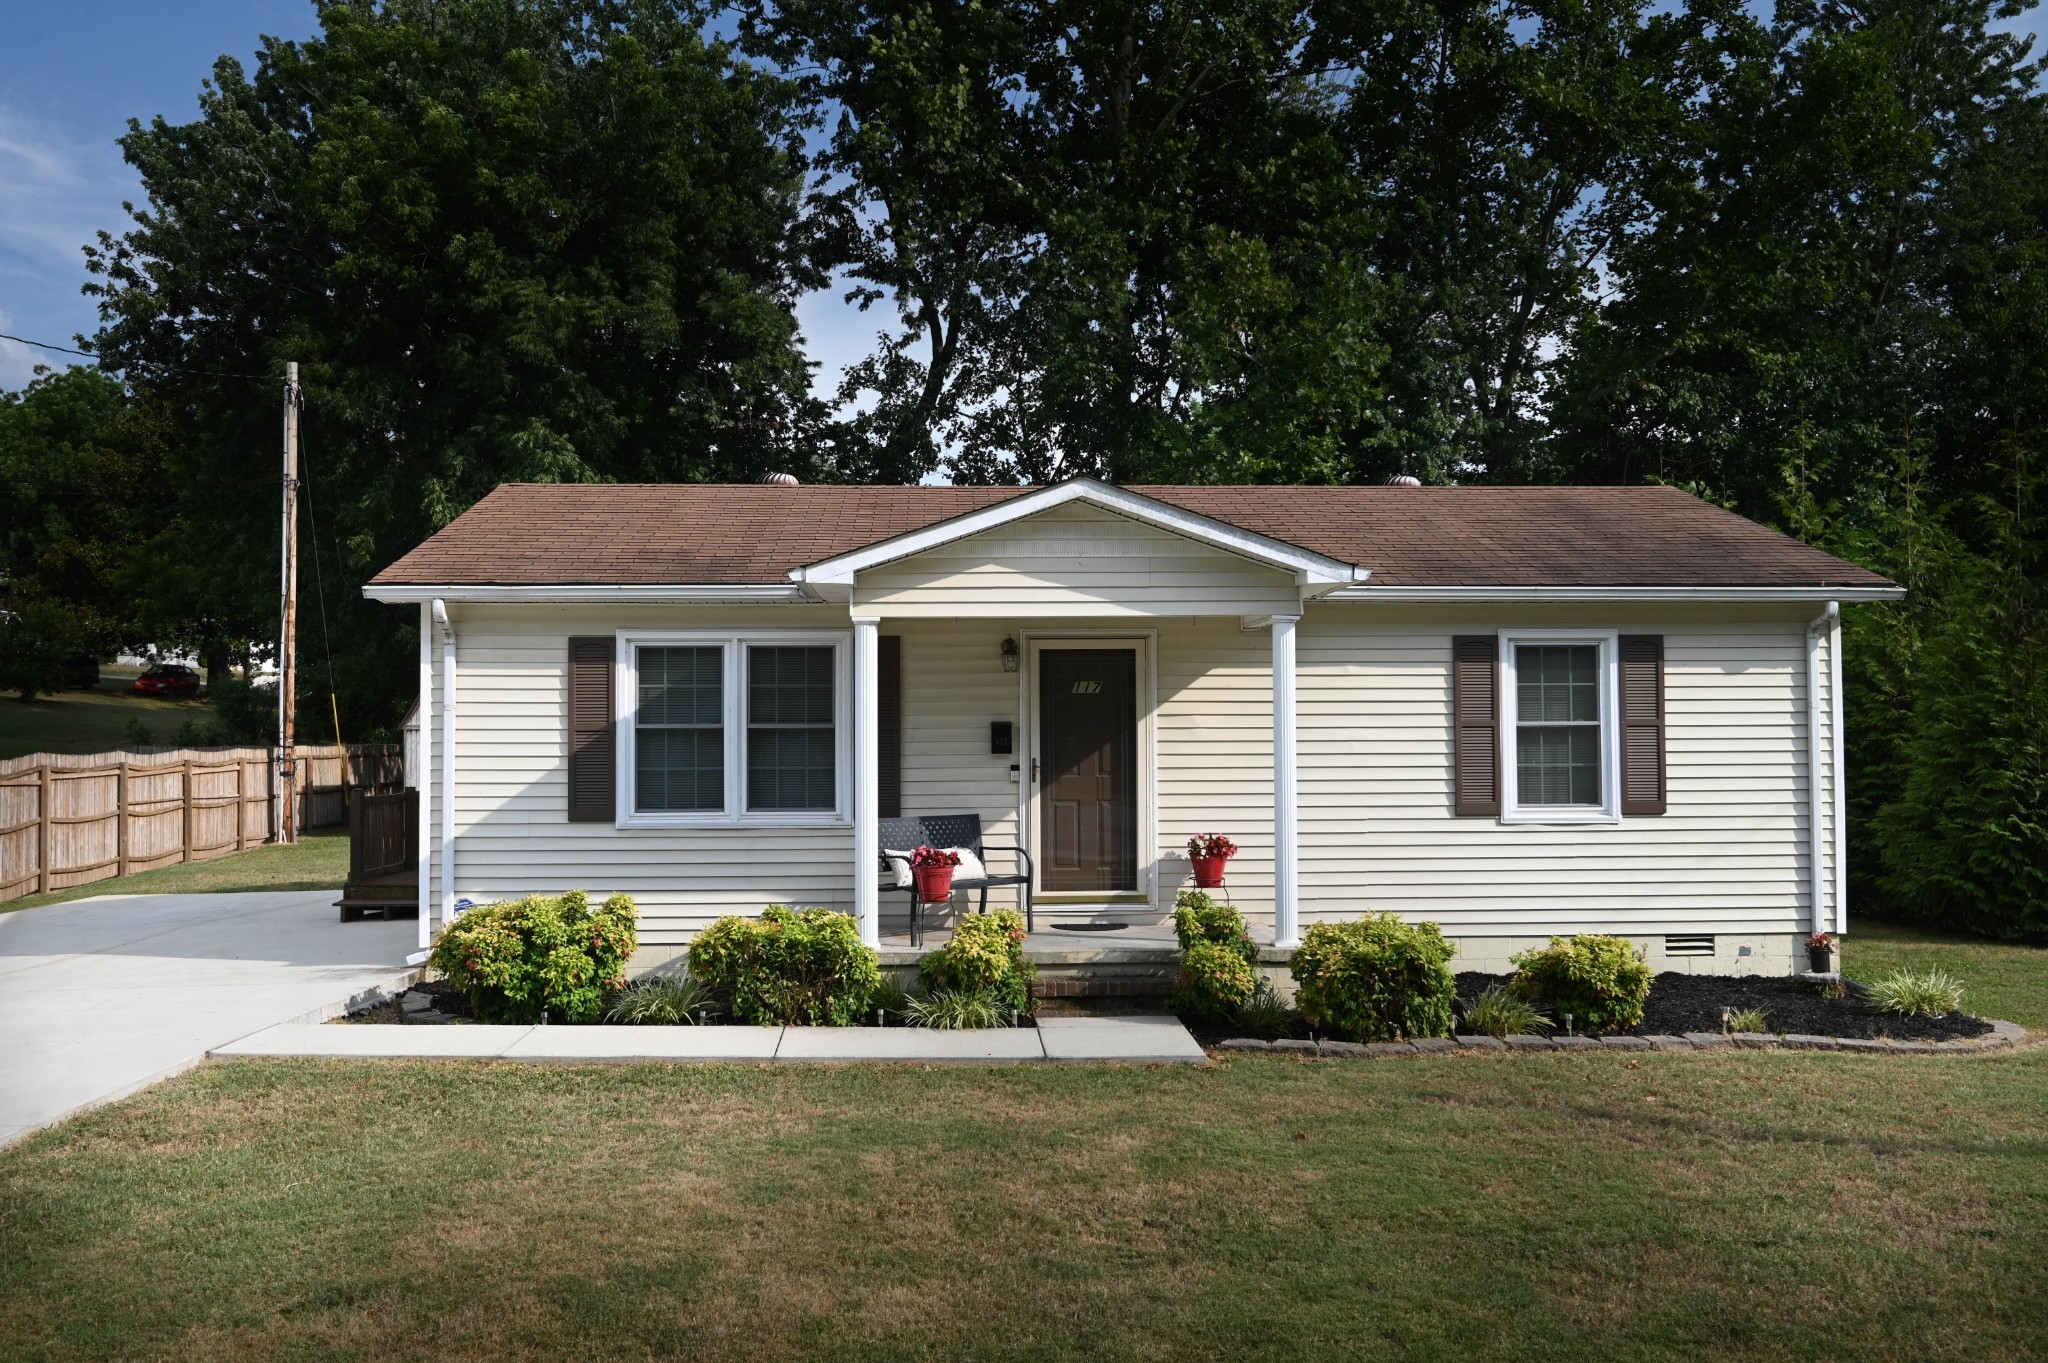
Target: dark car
{"points": [[82, 670], [167, 679]]}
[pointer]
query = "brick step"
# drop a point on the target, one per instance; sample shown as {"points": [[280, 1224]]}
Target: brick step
{"points": [[1101, 988]]}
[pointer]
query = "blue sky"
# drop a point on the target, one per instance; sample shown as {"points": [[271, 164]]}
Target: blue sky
{"points": [[72, 74]]}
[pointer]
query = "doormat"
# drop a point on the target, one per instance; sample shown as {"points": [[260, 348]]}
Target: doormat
{"points": [[1089, 927]]}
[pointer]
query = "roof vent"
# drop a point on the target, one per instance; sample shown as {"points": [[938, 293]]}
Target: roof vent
{"points": [[1404, 480], [776, 480]]}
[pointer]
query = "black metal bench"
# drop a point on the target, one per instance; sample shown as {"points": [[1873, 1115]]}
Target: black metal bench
{"points": [[953, 830]]}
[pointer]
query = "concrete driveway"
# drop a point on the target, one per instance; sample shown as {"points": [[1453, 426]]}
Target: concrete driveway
{"points": [[100, 997]]}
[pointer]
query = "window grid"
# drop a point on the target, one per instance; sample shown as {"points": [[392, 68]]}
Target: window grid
{"points": [[1557, 731], [679, 730], [792, 746]]}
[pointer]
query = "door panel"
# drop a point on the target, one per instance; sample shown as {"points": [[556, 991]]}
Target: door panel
{"points": [[1088, 741]]}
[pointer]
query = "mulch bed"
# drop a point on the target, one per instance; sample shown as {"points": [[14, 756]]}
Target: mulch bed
{"points": [[451, 1002], [1693, 1003]]}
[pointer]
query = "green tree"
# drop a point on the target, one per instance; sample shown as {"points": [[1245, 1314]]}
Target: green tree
{"points": [[541, 240]]}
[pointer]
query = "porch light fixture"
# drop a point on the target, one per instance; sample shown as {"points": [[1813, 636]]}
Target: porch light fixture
{"points": [[1009, 655]]}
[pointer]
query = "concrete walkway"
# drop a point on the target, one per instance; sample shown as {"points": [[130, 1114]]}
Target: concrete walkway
{"points": [[1123, 1040], [100, 997]]}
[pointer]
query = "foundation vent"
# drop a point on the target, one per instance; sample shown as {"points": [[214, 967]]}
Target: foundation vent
{"points": [[1689, 944]]}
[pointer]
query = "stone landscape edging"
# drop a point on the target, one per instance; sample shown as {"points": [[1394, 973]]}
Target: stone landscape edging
{"points": [[2003, 1036]]}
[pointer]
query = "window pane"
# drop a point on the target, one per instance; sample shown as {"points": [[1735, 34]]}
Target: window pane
{"points": [[679, 731], [1557, 683], [789, 686], [791, 749], [679, 769], [1557, 765], [681, 686]]}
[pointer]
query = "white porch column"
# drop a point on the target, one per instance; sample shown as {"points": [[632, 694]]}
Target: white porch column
{"points": [[423, 779], [1286, 839], [447, 761], [867, 851]]}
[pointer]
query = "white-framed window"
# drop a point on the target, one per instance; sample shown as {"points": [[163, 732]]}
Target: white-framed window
{"points": [[1558, 716], [734, 727]]}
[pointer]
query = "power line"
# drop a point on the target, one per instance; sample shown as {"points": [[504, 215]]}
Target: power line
{"points": [[150, 364]]}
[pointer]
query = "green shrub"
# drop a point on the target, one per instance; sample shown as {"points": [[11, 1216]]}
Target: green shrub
{"points": [[544, 954], [1497, 1012], [1263, 1014], [985, 956], [794, 967], [957, 1010], [1215, 981], [664, 1001], [1376, 979], [1917, 995], [1197, 917], [1603, 982]]}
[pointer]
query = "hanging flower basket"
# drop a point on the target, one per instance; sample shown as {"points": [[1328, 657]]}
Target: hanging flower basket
{"points": [[931, 870], [1210, 852]]}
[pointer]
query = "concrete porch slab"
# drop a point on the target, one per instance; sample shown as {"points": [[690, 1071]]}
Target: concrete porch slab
{"points": [[853, 1044], [626, 1045], [1127, 1040], [367, 1042]]}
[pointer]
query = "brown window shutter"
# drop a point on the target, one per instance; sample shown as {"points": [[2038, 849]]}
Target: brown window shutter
{"points": [[593, 746], [1642, 724], [889, 727], [1475, 724]]}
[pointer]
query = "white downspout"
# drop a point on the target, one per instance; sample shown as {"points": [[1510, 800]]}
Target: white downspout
{"points": [[1816, 789], [447, 761], [1838, 768], [423, 783]]}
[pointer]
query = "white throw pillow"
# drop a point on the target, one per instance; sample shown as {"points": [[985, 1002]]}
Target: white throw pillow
{"points": [[970, 867], [899, 865]]}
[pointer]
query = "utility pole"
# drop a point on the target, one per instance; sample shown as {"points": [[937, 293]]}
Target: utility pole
{"points": [[287, 638]]}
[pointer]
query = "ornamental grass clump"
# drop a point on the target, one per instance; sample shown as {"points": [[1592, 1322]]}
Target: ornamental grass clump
{"points": [[984, 956], [789, 967], [1602, 981], [1915, 994], [1497, 1012], [1265, 1014], [1375, 979], [1219, 963], [665, 1001], [541, 958], [956, 1010]]}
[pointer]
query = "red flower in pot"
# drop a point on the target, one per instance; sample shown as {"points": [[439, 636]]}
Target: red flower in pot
{"points": [[1209, 852], [931, 869]]}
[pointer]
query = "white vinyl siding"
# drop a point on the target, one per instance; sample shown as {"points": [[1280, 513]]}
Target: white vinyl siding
{"points": [[1074, 562], [1377, 832]]}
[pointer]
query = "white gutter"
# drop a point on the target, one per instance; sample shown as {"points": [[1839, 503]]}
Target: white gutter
{"points": [[1829, 619], [440, 610], [1745, 594], [737, 594]]}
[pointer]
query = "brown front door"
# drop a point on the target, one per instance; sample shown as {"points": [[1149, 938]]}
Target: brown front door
{"points": [[1088, 790]]}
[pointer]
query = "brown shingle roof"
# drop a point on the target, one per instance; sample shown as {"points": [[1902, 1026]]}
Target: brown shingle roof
{"points": [[530, 534]]}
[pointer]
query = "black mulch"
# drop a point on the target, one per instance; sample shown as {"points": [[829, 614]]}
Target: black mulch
{"points": [[1693, 1003]]}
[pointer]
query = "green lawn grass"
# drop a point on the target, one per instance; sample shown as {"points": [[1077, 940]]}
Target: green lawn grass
{"points": [[2000, 980], [1739, 1206], [92, 721], [318, 861]]}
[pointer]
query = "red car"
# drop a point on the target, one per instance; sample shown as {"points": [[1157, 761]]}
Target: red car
{"points": [[167, 679]]}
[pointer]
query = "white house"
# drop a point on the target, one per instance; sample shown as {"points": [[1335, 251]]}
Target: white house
{"points": [[1513, 711]]}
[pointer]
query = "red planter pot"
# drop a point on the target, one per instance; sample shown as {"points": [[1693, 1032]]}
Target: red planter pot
{"points": [[1209, 871], [934, 883]]}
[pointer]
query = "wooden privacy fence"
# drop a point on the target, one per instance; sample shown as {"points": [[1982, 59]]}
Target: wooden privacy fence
{"points": [[70, 819]]}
